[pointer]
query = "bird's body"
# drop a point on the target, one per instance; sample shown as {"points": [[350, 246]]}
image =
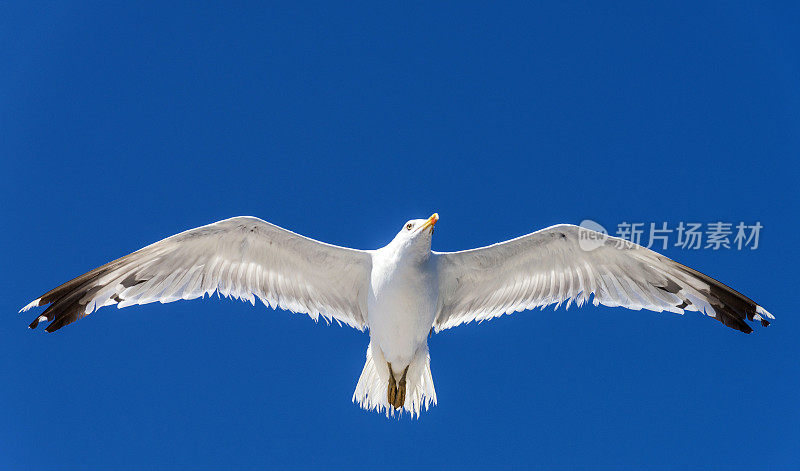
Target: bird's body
{"points": [[401, 304], [401, 292]]}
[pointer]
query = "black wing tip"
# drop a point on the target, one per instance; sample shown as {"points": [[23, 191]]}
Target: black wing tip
{"points": [[54, 327], [735, 315], [731, 307], [56, 323], [738, 324], [734, 312], [61, 312]]}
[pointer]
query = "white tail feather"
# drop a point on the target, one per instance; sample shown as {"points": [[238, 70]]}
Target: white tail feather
{"points": [[371, 390]]}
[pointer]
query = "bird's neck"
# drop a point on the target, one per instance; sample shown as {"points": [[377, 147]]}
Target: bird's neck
{"points": [[411, 254]]}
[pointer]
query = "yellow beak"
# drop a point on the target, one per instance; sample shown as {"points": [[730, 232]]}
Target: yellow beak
{"points": [[430, 222]]}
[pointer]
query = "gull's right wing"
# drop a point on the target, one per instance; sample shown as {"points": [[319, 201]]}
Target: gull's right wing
{"points": [[242, 257]]}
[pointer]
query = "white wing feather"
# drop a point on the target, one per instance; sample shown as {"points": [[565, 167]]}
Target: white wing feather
{"points": [[550, 267], [242, 257]]}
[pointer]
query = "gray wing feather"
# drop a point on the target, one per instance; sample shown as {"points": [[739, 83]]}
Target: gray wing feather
{"points": [[550, 267], [242, 257]]}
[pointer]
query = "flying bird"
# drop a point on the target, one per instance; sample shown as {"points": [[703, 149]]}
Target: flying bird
{"points": [[401, 292]]}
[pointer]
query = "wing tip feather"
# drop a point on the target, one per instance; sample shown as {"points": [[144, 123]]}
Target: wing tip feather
{"points": [[764, 313], [35, 303], [36, 321]]}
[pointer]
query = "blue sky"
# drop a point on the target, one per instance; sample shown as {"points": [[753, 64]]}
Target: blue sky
{"points": [[125, 124]]}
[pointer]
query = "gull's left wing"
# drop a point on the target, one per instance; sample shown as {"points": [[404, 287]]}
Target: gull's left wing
{"points": [[242, 257], [553, 265]]}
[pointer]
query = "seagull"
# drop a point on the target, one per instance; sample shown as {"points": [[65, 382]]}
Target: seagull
{"points": [[400, 293]]}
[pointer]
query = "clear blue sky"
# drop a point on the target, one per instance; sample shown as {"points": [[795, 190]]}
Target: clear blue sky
{"points": [[122, 125]]}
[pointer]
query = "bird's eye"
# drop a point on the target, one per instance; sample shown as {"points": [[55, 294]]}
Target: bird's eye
{"points": [[409, 226]]}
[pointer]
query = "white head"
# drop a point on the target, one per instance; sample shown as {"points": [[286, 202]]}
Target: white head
{"points": [[416, 235]]}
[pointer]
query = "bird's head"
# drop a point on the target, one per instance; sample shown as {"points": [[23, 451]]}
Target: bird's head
{"points": [[416, 235]]}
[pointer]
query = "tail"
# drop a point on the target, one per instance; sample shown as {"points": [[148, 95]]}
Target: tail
{"points": [[370, 391]]}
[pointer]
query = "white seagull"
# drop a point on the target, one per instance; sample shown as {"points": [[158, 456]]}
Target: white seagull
{"points": [[401, 292]]}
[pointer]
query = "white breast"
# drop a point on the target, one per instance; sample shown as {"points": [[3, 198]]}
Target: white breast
{"points": [[401, 306]]}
